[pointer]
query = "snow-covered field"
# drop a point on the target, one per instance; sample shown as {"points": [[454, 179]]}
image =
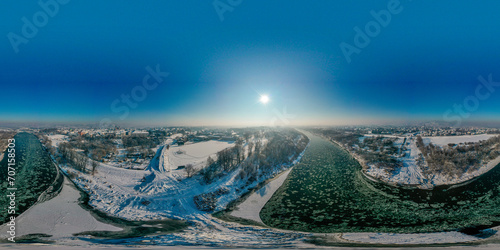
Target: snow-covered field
{"points": [[59, 217], [196, 154], [56, 139], [445, 140]]}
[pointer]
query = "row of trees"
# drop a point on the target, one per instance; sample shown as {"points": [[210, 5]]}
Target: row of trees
{"points": [[227, 160], [138, 140], [141, 146], [94, 147], [142, 152], [345, 137], [69, 155], [45, 140], [282, 147], [380, 144], [75, 159]]}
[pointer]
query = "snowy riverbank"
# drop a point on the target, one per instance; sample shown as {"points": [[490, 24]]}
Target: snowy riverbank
{"points": [[412, 175], [250, 208], [61, 216]]}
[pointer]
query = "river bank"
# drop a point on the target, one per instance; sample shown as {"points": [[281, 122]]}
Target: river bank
{"points": [[453, 183], [62, 211], [248, 206], [326, 193], [31, 175], [410, 175], [58, 217]]}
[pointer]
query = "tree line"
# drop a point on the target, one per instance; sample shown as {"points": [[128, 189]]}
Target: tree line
{"points": [[75, 159], [282, 147], [265, 152]]}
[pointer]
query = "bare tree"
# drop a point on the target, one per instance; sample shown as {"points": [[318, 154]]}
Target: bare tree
{"points": [[94, 165], [98, 154], [247, 135], [250, 147], [258, 147], [210, 161], [225, 158], [81, 162], [189, 170]]}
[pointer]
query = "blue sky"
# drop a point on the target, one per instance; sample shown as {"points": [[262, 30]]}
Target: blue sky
{"points": [[422, 63]]}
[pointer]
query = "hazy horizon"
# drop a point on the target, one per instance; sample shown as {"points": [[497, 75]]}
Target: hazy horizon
{"points": [[394, 123]]}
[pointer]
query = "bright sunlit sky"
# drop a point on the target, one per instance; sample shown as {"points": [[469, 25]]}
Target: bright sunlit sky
{"points": [[426, 59]]}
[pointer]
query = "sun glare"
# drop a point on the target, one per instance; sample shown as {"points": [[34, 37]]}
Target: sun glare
{"points": [[264, 99]]}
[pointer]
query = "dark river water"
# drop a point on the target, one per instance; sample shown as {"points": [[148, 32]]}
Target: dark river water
{"points": [[32, 173], [326, 192]]}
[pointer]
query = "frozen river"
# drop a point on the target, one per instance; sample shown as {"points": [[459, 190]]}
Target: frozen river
{"points": [[326, 193]]}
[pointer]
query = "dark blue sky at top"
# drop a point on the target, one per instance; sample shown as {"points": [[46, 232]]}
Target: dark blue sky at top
{"points": [[426, 59]]}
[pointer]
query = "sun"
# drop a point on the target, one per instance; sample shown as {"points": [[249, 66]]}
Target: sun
{"points": [[264, 99]]}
